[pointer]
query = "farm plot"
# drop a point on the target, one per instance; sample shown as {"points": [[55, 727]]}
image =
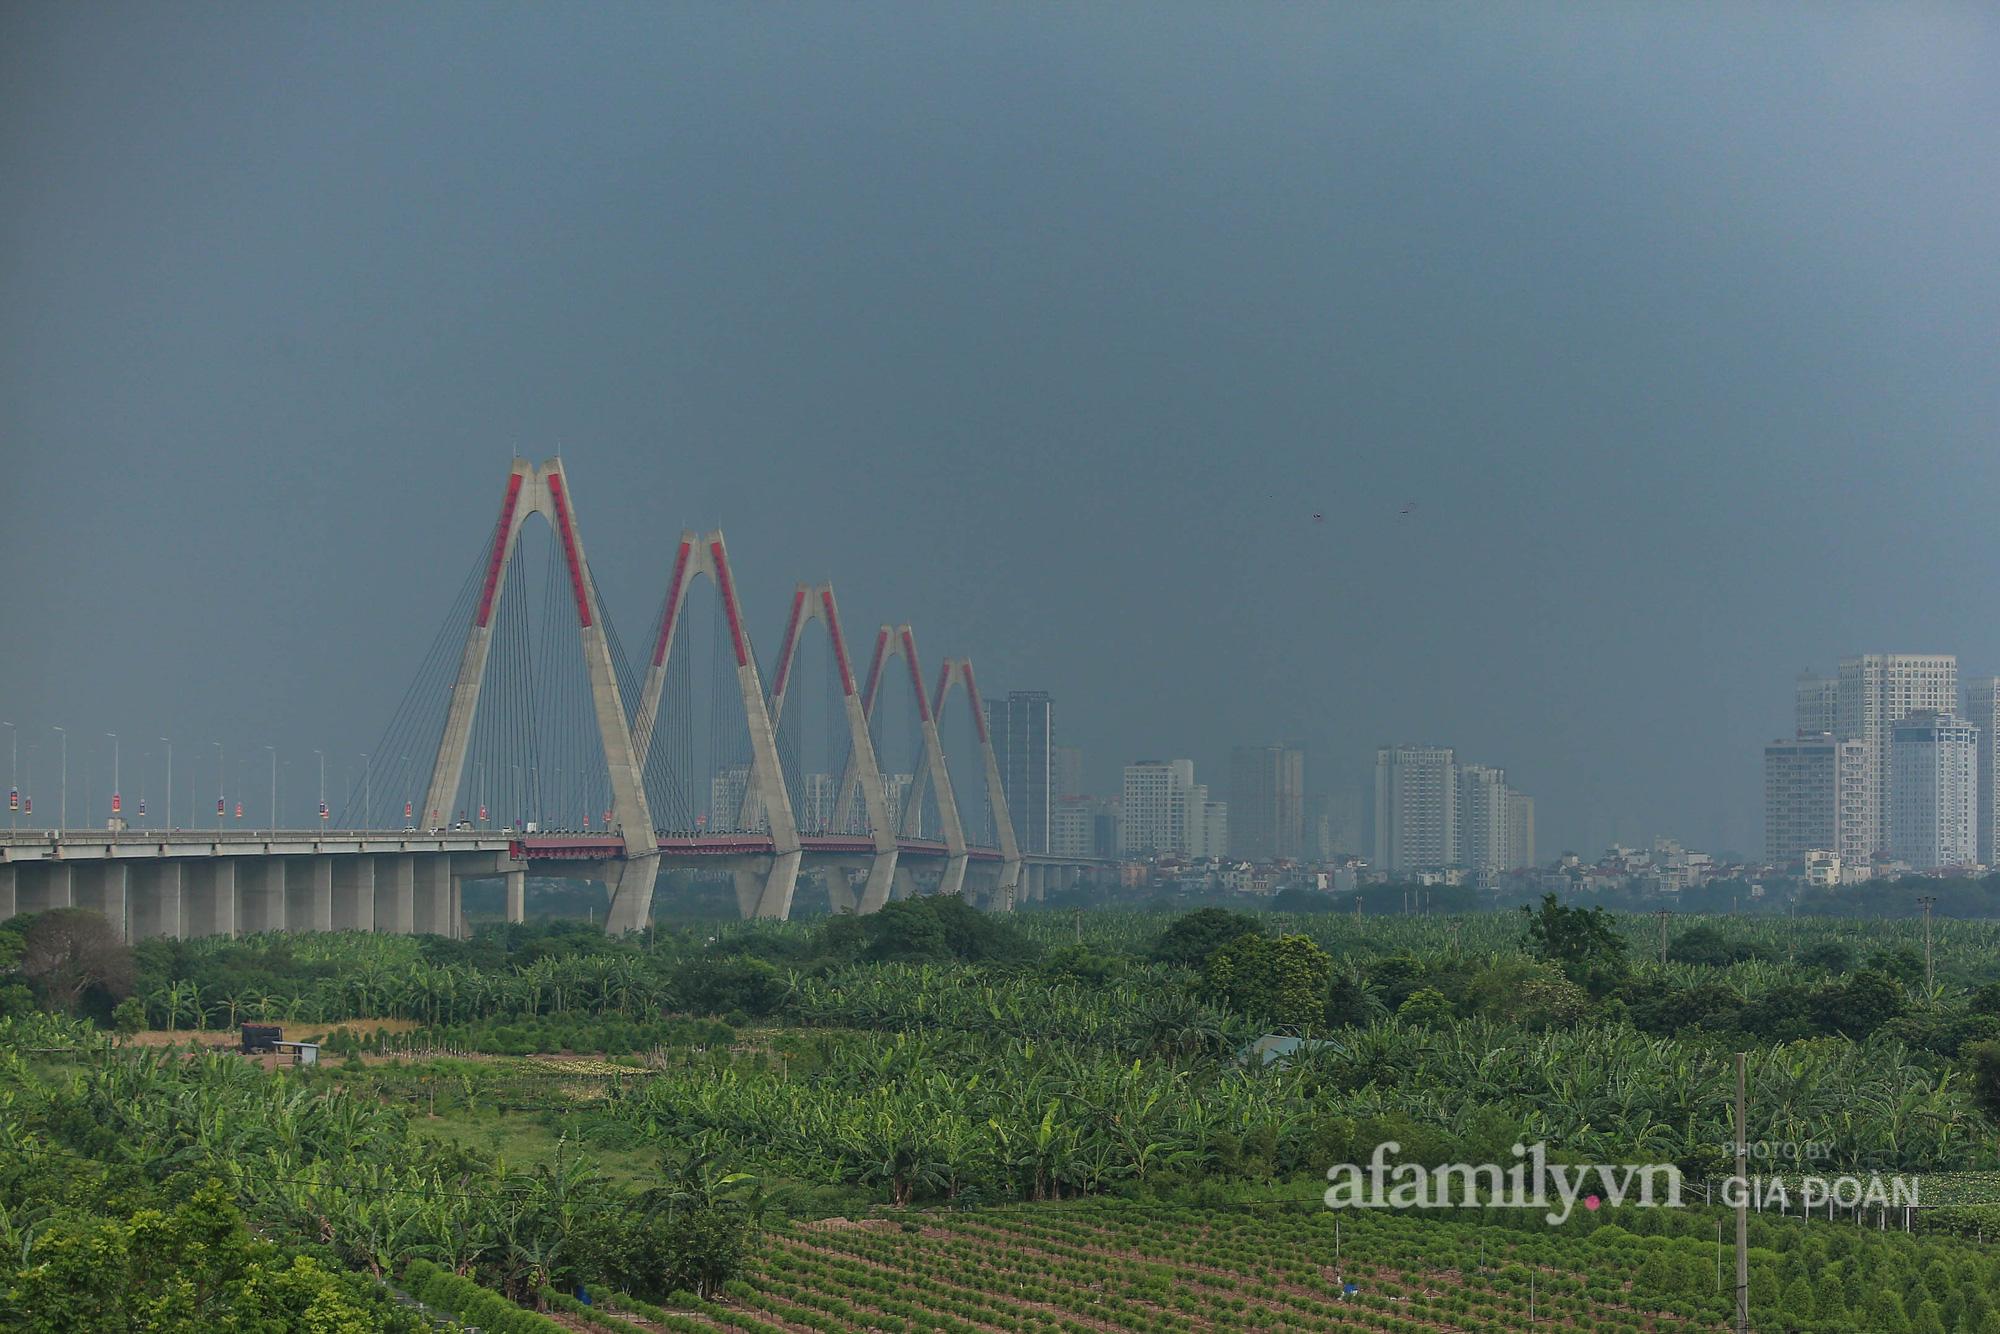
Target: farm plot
{"points": [[1162, 1269]]}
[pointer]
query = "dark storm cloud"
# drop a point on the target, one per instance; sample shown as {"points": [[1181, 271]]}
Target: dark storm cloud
{"points": [[1047, 329]]}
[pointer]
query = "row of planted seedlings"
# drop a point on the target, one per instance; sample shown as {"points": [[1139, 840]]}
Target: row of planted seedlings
{"points": [[1287, 1260], [1150, 1283], [1405, 1249], [872, 1267], [802, 1285]]}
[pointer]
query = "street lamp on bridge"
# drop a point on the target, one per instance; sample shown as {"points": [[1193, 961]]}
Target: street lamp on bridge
{"points": [[62, 803]]}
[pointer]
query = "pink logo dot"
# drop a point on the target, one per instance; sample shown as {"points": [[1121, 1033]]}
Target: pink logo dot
{"points": [[1591, 1202]]}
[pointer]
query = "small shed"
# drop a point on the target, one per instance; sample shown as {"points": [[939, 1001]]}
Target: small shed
{"points": [[302, 1053], [260, 1038]]}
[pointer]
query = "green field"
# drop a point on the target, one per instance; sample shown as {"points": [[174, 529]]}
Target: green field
{"points": [[934, 1119]]}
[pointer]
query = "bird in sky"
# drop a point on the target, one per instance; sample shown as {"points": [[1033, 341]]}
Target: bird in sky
{"points": [[1409, 509]]}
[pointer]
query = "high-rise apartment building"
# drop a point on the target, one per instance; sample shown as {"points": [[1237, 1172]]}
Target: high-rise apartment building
{"points": [[1520, 830], [1482, 818], [1068, 763], [1875, 691], [1215, 828], [1981, 707], [1934, 786], [1816, 707], [1267, 797], [1816, 799], [1022, 728], [1416, 807], [1154, 807], [1073, 827], [1196, 798]]}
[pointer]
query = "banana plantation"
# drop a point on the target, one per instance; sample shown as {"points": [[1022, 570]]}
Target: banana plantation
{"points": [[667, 1121]]}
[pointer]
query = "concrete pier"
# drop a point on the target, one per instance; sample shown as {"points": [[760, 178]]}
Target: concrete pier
{"points": [[260, 894], [100, 887], [40, 888], [308, 893], [395, 894], [353, 890], [208, 897], [431, 911], [153, 904]]}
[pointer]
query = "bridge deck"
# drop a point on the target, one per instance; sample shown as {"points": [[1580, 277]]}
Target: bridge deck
{"points": [[137, 844]]}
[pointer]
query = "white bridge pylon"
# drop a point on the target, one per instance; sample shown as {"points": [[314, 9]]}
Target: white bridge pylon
{"points": [[900, 641], [817, 604], [958, 671], [707, 555], [544, 490]]}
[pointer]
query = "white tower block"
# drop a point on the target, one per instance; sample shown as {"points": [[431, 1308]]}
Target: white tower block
{"points": [[818, 605], [708, 556], [544, 490]]}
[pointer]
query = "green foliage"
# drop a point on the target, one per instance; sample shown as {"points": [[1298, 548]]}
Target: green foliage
{"points": [[470, 1304], [1576, 938], [936, 928], [1425, 1007], [1191, 939], [1281, 982], [169, 1270]]}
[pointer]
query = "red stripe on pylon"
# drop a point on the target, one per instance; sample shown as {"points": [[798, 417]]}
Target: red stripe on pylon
{"points": [[569, 550], [498, 556]]}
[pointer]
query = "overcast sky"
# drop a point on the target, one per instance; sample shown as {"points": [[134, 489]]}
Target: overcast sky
{"points": [[1048, 329]]}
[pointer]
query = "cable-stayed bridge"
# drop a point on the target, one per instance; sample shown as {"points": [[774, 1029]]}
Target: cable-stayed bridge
{"points": [[529, 742]]}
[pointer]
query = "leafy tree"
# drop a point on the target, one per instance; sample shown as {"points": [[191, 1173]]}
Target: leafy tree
{"points": [[1982, 1060], [1797, 1302], [1191, 939], [1575, 937], [1709, 944], [1349, 1000], [724, 986], [1395, 977], [67, 952], [1282, 981], [1903, 963], [938, 928], [1426, 1006], [1835, 956], [1860, 1005], [129, 1016]]}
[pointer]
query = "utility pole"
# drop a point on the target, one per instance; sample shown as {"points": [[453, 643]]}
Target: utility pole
{"points": [[274, 787], [1929, 901], [62, 804], [367, 793], [1742, 1202], [221, 786], [13, 775], [1661, 916], [170, 783], [322, 790], [116, 804]]}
